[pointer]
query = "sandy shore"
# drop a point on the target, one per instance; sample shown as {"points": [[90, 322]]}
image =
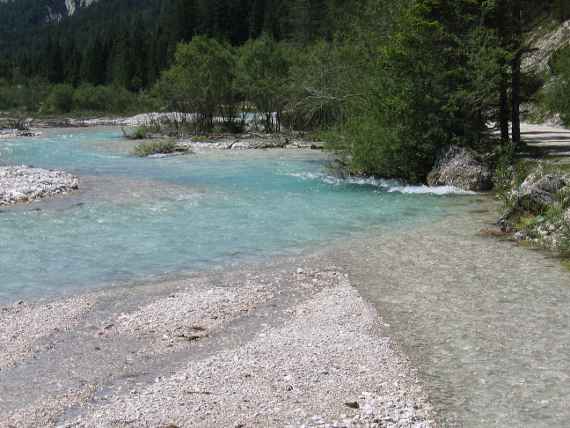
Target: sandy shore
{"points": [[286, 344]]}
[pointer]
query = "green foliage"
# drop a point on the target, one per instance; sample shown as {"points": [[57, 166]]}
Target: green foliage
{"points": [[557, 91], [113, 99], [200, 81], [415, 97], [25, 97], [149, 148], [505, 177], [60, 99], [320, 85], [263, 78]]}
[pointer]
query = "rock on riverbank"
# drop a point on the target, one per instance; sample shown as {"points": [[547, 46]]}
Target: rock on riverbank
{"points": [[538, 211], [25, 184], [460, 167]]}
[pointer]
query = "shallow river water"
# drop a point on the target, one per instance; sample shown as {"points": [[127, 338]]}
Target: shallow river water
{"points": [[486, 322], [137, 219]]}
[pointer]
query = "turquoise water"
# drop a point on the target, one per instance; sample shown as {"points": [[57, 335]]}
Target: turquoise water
{"points": [[137, 219]]}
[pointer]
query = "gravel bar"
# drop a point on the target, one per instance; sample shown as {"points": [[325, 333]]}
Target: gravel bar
{"points": [[25, 184], [259, 346]]}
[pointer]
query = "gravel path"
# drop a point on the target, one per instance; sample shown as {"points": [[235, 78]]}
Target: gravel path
{"points": [[545, 140], [26, 184], [268, 346]]}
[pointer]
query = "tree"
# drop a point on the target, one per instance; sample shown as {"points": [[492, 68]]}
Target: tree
{"points": [[200, 81], [263, 78]]}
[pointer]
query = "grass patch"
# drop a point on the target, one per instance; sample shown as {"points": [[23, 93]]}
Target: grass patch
{"points": [[565, 264], [149, 148]]}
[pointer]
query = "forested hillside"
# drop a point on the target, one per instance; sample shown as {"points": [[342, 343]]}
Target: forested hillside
{"points": [[130, 41], [393, 82]]}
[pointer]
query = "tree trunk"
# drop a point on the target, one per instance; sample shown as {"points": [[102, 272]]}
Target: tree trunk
{"points": [[504, 110], [516, 72]]}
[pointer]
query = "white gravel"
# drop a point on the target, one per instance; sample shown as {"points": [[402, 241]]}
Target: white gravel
{"points": [[268, 346], [189, 315], [26, 184], [328, 365], [23, 325]]}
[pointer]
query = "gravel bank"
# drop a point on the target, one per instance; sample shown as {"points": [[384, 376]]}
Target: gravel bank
{"points": [[22, 326], [25, 184], [270, 346]]}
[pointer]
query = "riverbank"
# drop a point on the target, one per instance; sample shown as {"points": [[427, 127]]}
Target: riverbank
{"points": [[535, 190], [287, 344]]}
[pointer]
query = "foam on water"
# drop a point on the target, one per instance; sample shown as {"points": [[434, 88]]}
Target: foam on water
{"points": [[391, 186], [136, 219]]}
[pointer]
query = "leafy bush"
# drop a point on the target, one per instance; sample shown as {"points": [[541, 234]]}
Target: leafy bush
{"points": [[26, 96], [263, 78], [60, 99], [113, 99], [149, 148], [201, 81]]}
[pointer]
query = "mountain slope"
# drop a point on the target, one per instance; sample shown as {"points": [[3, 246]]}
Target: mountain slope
{"points": [[23, 15]]}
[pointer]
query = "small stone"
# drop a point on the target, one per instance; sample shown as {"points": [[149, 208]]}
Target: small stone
{"points": [[352, 405], [519, 236]]}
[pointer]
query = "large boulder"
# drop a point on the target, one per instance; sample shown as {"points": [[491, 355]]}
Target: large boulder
{"points": [[551, 183], [539, 191], [460, 167]]}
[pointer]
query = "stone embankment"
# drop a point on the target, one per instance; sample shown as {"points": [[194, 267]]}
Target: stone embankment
{"points": [[20, 184]]}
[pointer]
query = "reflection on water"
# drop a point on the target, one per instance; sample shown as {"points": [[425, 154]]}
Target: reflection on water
{"points": [[487, 323]]}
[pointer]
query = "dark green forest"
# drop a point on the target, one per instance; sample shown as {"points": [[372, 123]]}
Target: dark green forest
{"points": [[391, 82], [130, 41]]}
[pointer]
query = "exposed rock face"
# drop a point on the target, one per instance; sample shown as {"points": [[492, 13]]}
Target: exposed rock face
{"points": [[73, 5], [25, 184], [459, 167], [543, 45], [56, 10]]}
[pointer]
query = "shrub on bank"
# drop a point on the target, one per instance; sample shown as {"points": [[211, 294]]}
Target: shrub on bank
{"points": [[149, 148], [60, 99], [113, 99]]}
